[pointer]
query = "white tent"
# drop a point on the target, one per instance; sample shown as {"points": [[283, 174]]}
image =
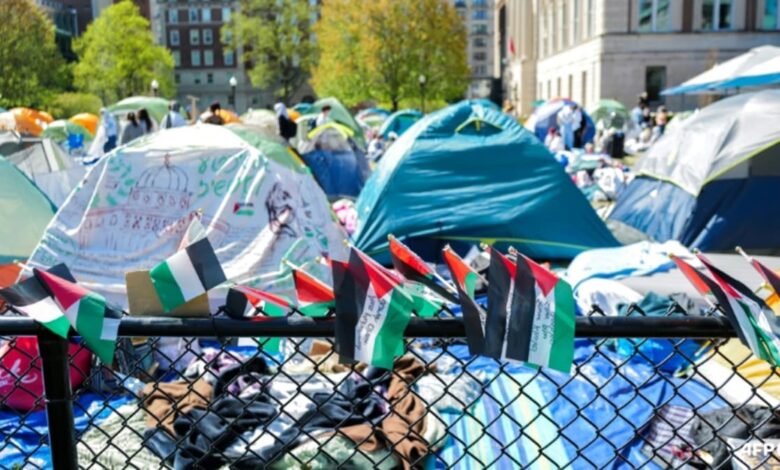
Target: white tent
{"points": [[135, 204], [713, 80]]}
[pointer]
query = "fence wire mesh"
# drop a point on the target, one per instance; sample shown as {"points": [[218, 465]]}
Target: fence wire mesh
{"points": [[168, 402]]}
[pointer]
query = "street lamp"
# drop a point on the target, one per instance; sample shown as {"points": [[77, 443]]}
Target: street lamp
{"points": [[422, 81], [233, 84], [155, 87]]}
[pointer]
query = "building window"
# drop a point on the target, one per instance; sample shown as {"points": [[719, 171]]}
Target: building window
{"points": [[196, 79], [193, 15], [173, 16], [479, 70], [227, 58], [205, 15], [559, 88], [208, 37], [566, 39], [717, 15], [225, 14], [570, 93], [208, 58], [173, 37], [479, 29], [479, 56], [195, 58], [584, 89], [209, 78], [655, 81], [479, 42], [654, 15], [194, 37], [479, 15], [771, 17], [176, 58], [590, 15], [549, 89], [576, 13]]}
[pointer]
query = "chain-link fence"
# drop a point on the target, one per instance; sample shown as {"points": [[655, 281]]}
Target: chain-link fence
{"points": [[661, 392]]}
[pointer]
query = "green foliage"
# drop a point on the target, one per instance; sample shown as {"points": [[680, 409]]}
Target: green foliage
{"points": [[31, 68], [378, 50], [65, 105], [274, 37], [118, 56]]}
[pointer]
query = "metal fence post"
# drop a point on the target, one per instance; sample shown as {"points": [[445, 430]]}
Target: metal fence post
{"points": [[59, 399]]}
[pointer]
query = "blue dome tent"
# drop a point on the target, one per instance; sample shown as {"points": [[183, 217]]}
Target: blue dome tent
{"points": [[471, 174], [709, 181], [399, 122]]}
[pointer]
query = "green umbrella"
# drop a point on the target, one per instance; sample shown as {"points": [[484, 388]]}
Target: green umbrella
{"points": [[157, 107], [59, 130]]}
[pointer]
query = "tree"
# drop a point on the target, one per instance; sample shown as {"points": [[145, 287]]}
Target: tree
{"points": [[66, 105], [31, 67], [379, 49], [274, 37], [118, 56]]}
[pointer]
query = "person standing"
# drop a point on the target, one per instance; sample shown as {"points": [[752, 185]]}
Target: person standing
{"points": [[132, 130], [578, 126], [145, 121], [174, 117], [214, 117], [287, 127], [110, 129], [661, 119], [566, 126]]}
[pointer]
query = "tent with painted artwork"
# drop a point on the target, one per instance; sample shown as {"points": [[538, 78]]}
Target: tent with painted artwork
{"points": [[545, 116], [136, 204], [472, 174], [708, 182]]}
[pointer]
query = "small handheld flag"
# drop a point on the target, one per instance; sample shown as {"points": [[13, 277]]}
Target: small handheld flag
{"points": [[473, 314], [770, 277], [187, 274], [87, 313], [248, 303], [31, 298], [412, 267], [315, 298]]}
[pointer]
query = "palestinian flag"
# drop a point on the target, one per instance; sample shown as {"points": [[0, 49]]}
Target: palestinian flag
{"points": [[195, 231], [413, 268], [87, 313], [756, 321], [32, 299], [249, 303], [473, 314], [770, 277], [372, 311], [315, 298], [703, 285], [187, 274]]}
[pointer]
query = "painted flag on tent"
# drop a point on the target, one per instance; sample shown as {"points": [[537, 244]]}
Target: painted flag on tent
{"points": [[372, 311], [249, 303], [530, 314], [187, 274], [473, 314], [315, 298], [755, 319], [87, 313], [770, 277], [413, 268]]}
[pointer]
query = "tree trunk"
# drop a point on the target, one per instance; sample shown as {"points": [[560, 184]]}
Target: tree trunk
{"points": [[395, 104]]}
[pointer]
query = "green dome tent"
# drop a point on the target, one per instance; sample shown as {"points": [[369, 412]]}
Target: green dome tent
{"points": [[26, 211], [157, 107], [339, 114], [468, 173]]}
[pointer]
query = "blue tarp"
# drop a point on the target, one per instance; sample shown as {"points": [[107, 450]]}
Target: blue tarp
{"points": [[468, 173]]}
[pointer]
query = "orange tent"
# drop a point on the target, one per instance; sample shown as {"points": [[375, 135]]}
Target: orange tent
{"points": [[26, 120], [228, 116], [88, 120]]}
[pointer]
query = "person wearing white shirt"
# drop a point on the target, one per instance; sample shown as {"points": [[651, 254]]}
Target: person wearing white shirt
{"points": [[174, 117], [566, 126]]}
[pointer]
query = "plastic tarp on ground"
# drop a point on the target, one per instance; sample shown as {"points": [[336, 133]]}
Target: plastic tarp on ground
{"points": [[336, 161], [473, 174], [545, 116], [135, 204], [706, 182], [399, 122], [52, 170], [24, 211]]}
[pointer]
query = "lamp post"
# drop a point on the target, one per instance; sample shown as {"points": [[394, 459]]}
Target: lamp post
{"points": [[155, 87], [422, 81], [233, 84]]}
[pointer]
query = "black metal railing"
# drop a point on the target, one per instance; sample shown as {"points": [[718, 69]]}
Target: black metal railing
{"points": [[645, 392]]}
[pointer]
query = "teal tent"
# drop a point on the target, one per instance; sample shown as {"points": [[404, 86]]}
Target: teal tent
{"points": [[25, 211], [471, 174], [399, 122]]}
